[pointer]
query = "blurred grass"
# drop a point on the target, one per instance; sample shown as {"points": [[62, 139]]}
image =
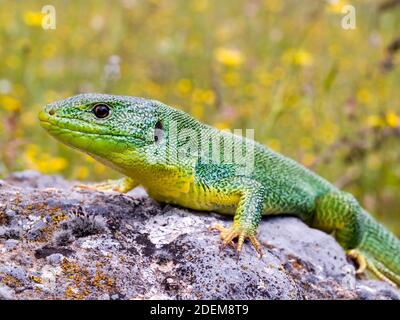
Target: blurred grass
{"points": [[325, 96]]}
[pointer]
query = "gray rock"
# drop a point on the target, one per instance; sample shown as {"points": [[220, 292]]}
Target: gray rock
{"points": [[33, 179], [10, 214], [55, 259], [23, 259], [12, 232], [36, 231], [63, 238], [15, 272], [6, 293], [106, 245], [368, 289], [11, 244], [3, 231]]}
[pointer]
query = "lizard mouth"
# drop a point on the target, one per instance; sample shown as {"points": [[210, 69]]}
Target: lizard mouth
{"points": [[75, 131], [49, 122]]}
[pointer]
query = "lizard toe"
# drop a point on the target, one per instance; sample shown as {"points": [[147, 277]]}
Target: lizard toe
{"points": [[241, 234]]}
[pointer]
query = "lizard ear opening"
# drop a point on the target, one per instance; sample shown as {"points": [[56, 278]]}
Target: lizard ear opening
{"points": [[158, 132]]}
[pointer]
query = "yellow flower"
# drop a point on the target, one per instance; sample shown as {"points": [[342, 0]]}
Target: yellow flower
{"points": [[31, 151], [374, 121], [9, 103], [299, 57], [229, 57], [33, 18], [231, 79], [196, 96], [50, 165], [183, 87], [336, 6], [306, 142], [197, 111], [203, 96], [209, 97], [43, 162], [328, 133], [363, 96], [392, 119], [82, 173]]}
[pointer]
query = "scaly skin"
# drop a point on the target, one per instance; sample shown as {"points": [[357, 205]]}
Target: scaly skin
{"points": [[162, 149]]}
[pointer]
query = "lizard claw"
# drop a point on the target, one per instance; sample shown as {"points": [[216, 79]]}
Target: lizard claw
{"points": [[222, 230], [359, 259], [229, 234], [93, 187], [107, 186], [363, 263]]}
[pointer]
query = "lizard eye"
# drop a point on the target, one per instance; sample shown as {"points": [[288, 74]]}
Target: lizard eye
{"points": [[158, 131], [101, 110]]}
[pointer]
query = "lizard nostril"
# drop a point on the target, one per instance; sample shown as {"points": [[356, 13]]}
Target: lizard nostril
{"points": [[52, 112]]}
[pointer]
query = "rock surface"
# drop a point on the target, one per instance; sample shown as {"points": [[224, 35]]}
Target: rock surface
{"points": [[61, 243]]}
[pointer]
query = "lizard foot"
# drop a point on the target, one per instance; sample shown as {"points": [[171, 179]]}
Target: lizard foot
{"points": [[359, 259], [229, 234], [363, 263], [107, 186]]}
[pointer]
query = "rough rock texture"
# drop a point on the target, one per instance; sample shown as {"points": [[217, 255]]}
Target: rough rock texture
{"points": [[60, 243]]}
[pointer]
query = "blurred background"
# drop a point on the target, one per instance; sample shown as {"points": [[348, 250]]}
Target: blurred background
{"points": [[326, 96]]}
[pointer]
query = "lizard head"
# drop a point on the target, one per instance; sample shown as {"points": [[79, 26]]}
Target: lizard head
{"points": [[109, 127]]}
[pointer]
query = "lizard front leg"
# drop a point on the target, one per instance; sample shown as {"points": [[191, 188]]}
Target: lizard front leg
{"points": [[121, 185], [248, 215]]}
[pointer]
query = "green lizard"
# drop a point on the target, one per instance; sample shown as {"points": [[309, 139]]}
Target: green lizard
{"points": [[182, 161]]}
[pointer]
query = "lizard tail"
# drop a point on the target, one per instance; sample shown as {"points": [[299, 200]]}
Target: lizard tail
{"points": [[364, 239], [380, 250]]}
